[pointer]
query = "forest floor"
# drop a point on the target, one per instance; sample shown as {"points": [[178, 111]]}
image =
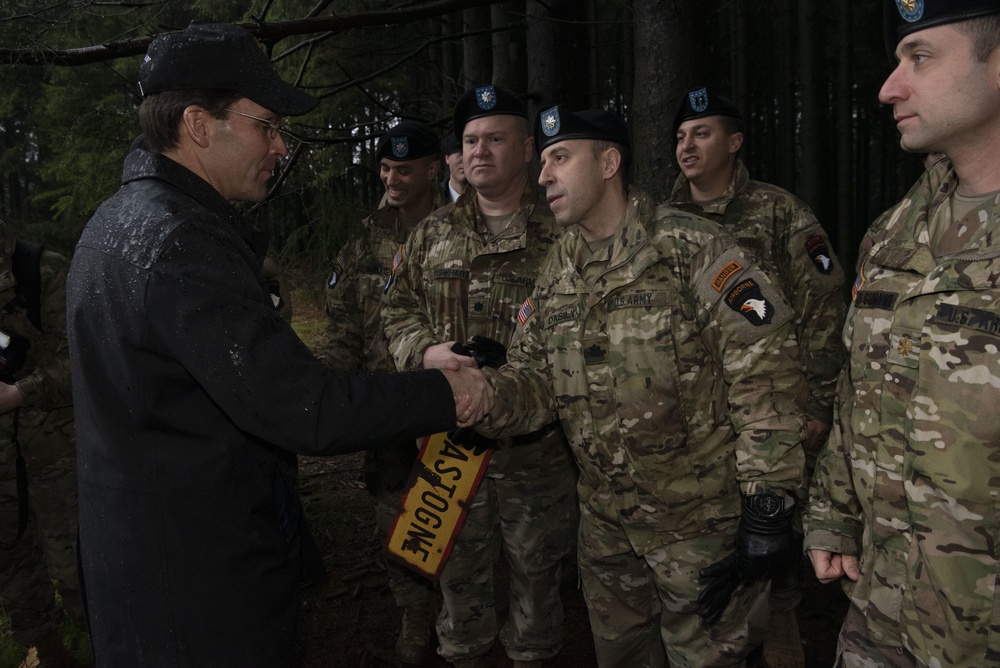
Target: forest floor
{"points": [[352, 621]]}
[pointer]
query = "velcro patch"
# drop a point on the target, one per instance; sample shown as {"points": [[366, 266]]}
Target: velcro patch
{"points": [[724, 274], [636, 300], [878, 299], [526, 311], [433, 509], [966, 316], [747, 300], [448, 272], [820, 254]]}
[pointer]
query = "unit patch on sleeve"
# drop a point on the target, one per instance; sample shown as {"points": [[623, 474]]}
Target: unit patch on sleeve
{"points": [[820, 254], [747, 300]]}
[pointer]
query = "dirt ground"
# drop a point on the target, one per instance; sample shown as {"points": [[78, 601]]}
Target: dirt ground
{"points": [[351, 619]]}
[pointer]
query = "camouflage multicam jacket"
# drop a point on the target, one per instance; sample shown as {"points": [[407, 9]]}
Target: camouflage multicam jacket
{"points": [[671, 361], [791, 246], [355, 341], [452, 283], [908, 479], [46, 418]]}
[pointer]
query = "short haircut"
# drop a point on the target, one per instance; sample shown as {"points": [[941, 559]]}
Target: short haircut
{"points": [[732, 125], [599, 146], [984, 33], [160, 114]]}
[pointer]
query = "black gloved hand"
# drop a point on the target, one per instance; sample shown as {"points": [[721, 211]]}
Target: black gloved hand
{"points": [[764, 542], [485, 350]]}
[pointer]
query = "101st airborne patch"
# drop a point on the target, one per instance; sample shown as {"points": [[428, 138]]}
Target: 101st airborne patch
{"points": [[435, 504]]}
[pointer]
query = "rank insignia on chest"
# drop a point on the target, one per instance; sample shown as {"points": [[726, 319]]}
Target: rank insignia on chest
{"points": [[595, 354], [746, 299]]}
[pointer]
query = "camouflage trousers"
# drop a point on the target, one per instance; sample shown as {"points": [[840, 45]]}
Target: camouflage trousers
{"points": [[532, 518], [641, 605], [387, 471], [47, 550], [856, 649]]}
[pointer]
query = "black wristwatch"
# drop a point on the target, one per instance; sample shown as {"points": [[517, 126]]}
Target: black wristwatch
{"points": [[767, 504]]}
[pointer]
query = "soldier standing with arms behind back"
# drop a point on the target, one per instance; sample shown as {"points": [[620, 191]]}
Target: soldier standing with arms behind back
{"points": [[904, 500], [409, 161], [36, 423], [464, 272], [788, 243], [671, 363]]}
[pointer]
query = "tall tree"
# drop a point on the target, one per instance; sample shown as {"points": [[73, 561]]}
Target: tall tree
{"points": [[673, 49]]}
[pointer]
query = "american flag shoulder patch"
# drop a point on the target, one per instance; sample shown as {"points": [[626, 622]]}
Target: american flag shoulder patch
{"points": [[527, 309]]}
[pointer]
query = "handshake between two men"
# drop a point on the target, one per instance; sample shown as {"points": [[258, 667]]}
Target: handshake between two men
{"points": [[473, 394]]}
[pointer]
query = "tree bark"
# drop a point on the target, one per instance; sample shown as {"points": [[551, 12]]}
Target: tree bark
{"points": [[672, 53]]}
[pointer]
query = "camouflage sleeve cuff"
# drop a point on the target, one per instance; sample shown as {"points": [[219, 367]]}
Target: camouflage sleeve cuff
{"points": [[31, 388], [831, 542]]}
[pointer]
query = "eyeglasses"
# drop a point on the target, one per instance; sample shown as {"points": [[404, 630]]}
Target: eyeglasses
{"points": [[273, 127]]}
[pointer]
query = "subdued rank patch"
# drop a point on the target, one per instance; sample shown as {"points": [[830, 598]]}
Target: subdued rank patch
{"points": [[525, 312], [594, 353], [966, 316], [400, 147], [820, 254], [724, 274], [879, 299], [435, 504], [397, 260], [699, 100], [747, 300]]}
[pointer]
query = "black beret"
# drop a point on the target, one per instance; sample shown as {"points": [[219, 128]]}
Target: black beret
{"points": [[559, 124], [450, 144], [699, 103], [485, 101], [408, 140], [902, 17], [219, 56]]}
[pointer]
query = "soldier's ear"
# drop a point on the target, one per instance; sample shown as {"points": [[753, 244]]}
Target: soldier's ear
{"points": [[611, 162], [735, 142]]}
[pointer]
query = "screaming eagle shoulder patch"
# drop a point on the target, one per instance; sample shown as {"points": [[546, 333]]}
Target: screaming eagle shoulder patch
{"points": [[746, 299]]}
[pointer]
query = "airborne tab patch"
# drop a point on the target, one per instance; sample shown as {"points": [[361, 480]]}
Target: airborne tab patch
{"points": [[747, 300]]}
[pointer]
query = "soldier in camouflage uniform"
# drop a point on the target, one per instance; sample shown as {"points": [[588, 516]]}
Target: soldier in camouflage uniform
{"points": [[409, 160], [904, 500], [787, 242], [464, 272], [670, 360], [36, 409]]}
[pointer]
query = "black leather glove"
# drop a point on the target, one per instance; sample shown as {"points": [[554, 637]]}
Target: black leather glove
{"points": [[487, 351], [764, 543]]}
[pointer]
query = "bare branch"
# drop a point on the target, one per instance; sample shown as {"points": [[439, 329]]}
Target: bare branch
{"points": [[266, 32]]}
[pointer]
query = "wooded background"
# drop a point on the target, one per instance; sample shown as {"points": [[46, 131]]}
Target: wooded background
{"points": [[805, 73]]}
